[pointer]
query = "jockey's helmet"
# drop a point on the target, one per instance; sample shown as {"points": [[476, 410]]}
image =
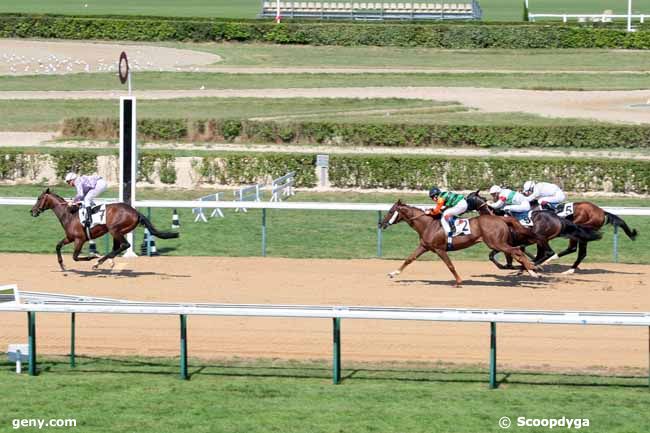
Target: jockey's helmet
{"points": [[70, 176], [495, 189], [529, 185], [434, 192]]}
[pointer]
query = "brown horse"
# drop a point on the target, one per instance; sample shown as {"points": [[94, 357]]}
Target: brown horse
{"points": [[492, 230], [120, 220], [589, 215]]}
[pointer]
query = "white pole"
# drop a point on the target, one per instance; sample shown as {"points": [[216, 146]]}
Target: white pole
{"points": [[277, 11], [629, 15], [526, 3]]}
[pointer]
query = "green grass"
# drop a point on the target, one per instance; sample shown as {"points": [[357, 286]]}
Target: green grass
{"points": [[145, 395], [494, 10], [37, 115], [195, 81], [267, 55], [298, 234]]}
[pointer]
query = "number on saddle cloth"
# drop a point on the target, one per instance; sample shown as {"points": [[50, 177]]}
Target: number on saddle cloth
{"points": [[523, 218], [564, 210], [462, 227], [98, 215]]}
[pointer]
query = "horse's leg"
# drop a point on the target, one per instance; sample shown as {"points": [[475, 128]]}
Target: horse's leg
{"points": [[572, 248], [60, 245], [445, 258], [494, 260], [410, 259], [78, 244], [582, 253], [521, 258], [120, 245]]}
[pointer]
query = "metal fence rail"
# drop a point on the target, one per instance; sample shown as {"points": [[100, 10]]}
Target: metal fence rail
{"points": [[32, 302]]}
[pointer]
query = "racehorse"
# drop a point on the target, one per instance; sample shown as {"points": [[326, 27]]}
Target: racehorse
{"points": [[120, 220], [492, 230], [547, 225], [589, 215]]}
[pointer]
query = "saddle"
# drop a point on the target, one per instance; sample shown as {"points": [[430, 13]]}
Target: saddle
{"points": [[98, 215]]}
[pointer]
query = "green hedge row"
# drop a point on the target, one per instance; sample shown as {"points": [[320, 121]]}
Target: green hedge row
{"points": [[371, 172], [370, 134], [434, 35], [421, 172]]}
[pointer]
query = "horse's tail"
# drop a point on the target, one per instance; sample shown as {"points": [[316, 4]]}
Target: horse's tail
{"points": [[578, 232], [617, 221], [162, 235]]}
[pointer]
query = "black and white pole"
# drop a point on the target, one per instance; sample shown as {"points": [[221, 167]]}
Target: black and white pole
{"points": [[176, 222], [128, 154]]}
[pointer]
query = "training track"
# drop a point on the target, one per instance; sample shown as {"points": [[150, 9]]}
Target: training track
{"points": [[336, 282]]}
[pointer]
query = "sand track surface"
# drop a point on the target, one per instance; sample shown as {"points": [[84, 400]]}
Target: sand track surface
{"points": [[605, 287]]}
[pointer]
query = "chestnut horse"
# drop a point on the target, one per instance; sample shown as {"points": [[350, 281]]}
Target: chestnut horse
{"points": [[589, 215], [492, 230], [120, 220]]}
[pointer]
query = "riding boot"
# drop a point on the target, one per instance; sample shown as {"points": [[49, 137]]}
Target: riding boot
{"points": [[452, 227], [89, 217]]}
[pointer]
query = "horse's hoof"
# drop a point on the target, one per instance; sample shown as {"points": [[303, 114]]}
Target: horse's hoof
{"points": [[569, 271], [550, 259], [96, 267], [458, 284], [393, 274]]}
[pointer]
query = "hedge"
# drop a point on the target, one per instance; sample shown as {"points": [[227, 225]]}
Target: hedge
{"points": [[366, 134], [382, 171], [421, 172], [433, 35]]}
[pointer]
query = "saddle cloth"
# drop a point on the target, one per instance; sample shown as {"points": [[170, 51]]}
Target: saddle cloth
{"points": [[524, 218], [98, 215], [462, 227], [564, 210]]}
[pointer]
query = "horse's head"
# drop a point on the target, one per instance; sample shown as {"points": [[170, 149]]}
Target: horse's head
{"points": [[393, 216], [478, 203], [44, 202]]}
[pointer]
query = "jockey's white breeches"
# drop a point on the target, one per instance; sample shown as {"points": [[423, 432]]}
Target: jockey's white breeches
{"points": [[556, 198], [451, 212], [100, 187], [521, 207]]}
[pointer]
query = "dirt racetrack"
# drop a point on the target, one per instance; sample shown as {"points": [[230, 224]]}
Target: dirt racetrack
{"points": [[336, 282]]}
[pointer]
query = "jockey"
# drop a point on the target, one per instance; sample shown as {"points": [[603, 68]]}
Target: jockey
{"points": [[454, 204], [547, 194], [88, 187], [510, 201]]}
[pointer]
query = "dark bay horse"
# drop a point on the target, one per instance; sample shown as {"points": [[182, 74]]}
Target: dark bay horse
{"points": [[546, 226], [120, 220], [492, 230], [589, 215]]}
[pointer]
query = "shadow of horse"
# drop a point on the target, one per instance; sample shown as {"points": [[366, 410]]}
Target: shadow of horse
{"points": [[514, 280], [120, 273], [559, 268]]}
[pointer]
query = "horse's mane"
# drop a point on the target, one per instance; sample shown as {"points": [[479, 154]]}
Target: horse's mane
{"points": [[55, 195]]}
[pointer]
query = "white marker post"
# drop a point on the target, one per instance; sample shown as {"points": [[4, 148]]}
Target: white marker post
{"points": [[629, 15], [278, 18], [128, 153]]}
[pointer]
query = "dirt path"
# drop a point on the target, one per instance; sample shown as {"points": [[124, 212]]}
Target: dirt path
{"points": [[612, 106], [336, 282]]}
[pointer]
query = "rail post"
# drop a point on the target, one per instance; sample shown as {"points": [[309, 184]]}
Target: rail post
{"points": [[147, 233], [336, 362], [493, 355], [263, 232], [31, 325], [184, 375], [615, 244], [72, 340], [379, 239]]}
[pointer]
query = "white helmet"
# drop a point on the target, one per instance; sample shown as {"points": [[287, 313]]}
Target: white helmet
{"points": [[495, 189], [529, 185], [70, 176]]}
